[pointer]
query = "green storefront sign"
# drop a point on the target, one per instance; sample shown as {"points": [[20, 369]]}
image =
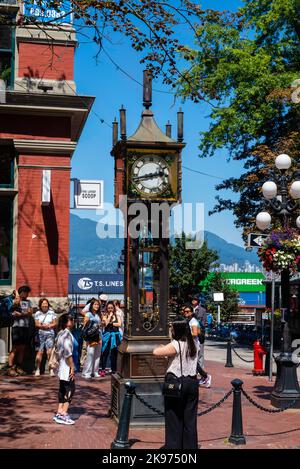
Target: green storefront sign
{"points": [[245, 282]]}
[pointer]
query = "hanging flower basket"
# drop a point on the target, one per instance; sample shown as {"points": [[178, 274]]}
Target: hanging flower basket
{"points": [[281, 250]]}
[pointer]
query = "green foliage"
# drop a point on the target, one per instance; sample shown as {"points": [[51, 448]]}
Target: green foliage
{"points": [[229, 307], [244, 64], [188, 267]]}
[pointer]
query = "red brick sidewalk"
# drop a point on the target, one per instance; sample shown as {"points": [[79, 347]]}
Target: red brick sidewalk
{"points": [[27, 405]]}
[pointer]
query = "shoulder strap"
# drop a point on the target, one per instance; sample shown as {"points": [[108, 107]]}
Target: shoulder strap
{"points": [[180, 358]]}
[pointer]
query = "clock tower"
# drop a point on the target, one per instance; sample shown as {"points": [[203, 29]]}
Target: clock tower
{"points": [[147, 183]]}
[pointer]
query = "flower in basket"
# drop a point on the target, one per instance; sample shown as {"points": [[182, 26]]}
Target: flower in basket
{"points": [[281, 250]]}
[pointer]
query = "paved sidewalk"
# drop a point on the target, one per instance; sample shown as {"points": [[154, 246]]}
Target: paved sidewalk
{"points": [[27, 405]]}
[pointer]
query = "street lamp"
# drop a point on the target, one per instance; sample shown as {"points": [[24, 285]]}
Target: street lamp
{"points": [[283, 202]]}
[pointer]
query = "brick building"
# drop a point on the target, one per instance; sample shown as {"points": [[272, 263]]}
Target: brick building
{"points": [[41, 120]]}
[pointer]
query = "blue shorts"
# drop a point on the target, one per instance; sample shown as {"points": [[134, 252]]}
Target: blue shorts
{"points": [[45, 341]]}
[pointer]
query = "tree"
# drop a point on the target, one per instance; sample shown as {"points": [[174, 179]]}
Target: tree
{"points": [[246, 64], [216, 283], [188, 267], [151, 27]]}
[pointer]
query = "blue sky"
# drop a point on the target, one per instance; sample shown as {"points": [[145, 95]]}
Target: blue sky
{"points": [[112, 88]]}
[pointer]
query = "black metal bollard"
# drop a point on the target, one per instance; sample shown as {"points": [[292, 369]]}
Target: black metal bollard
{"points": [[228, 363], [121, 440], [237, 437]]}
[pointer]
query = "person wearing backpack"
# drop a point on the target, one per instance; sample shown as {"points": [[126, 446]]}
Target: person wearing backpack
{"points": [[198, 331], [20, 333], [93, 354]]}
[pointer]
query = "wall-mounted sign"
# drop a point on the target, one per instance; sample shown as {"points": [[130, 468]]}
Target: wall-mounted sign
{"points": [[44, 11], [219, 296], [88, 194], [245, 282], [92, 284]]}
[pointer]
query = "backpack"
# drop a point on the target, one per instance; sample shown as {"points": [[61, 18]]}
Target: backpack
{"points": [[6, 310]]}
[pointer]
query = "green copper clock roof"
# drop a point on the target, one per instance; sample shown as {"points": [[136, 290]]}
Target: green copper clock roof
{"points": [[148, 130]]}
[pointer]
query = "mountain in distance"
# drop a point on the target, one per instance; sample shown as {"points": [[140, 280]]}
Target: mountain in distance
{"points": [[91, 254]]}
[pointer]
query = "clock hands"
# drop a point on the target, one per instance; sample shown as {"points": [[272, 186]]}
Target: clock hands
{"points": [[149, 176]]}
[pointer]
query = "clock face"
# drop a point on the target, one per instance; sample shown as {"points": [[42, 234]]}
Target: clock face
{"points": [[150, 175]]}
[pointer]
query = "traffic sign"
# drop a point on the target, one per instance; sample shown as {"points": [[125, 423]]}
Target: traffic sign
{"points": [[256, 240]]}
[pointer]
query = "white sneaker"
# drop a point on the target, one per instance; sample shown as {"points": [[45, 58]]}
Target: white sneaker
{"points": [[37, 372], [96, 375], [52, 372]]}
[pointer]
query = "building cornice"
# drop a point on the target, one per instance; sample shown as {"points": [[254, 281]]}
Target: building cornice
{"points": [[75, 107], [56, 147]]}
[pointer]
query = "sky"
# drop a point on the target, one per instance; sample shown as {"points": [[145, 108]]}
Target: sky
{"points": [[112, 88]]}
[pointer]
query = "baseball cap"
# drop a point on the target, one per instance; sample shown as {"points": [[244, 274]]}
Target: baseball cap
{"points": [[103, 297]]}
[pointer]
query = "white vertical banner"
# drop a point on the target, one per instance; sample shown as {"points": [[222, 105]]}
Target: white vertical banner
{"points": [[46, 187], [88, 194]]}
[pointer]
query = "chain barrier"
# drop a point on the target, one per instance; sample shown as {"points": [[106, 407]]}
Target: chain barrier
{"points": [[204, 412], [217, 404], [241, 358], [265, 409], [157, 411]]}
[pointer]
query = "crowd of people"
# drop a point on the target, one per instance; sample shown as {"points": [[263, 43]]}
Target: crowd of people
{"points": [[39, 330], [102, 328]]}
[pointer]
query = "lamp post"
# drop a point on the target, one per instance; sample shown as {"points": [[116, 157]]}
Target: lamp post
{"points": [[283, 203]]}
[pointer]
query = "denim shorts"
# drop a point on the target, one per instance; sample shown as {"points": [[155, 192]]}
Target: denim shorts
{"points": [[45, 341]]}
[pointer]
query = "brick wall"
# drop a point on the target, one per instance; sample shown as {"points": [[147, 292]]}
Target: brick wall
{"points": [[54, 62], [43, 232]]}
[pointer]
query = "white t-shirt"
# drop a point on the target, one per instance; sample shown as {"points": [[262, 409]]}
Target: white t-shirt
{"points": [[45, 318], [193, 322], [64, 346], [189, 364], [23, 322]]}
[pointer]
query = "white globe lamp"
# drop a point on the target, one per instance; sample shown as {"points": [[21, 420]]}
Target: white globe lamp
{"points": [[283, 161], [295, 190], [263, 220], [269, 190], [298, 222]]}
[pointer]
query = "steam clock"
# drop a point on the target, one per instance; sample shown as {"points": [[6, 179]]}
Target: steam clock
{"points": [[147, 183]]}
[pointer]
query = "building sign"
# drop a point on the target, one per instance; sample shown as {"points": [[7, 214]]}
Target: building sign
{"points": [[252, 299], [44, 11], [95, 283], [245, 282], [88, 194]]}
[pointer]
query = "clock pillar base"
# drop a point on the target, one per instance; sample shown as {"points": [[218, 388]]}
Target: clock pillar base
{"points": [[136, 363]]}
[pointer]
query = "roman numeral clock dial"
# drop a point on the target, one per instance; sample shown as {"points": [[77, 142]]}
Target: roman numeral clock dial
{"points": [[150, 175]]}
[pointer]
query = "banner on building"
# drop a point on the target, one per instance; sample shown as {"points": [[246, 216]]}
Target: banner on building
{"points": [[96, 283], [245, 282], [43, 11]]}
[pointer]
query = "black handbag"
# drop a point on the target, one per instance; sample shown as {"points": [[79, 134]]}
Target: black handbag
{"points": [[90, 331], [172, 386]]}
